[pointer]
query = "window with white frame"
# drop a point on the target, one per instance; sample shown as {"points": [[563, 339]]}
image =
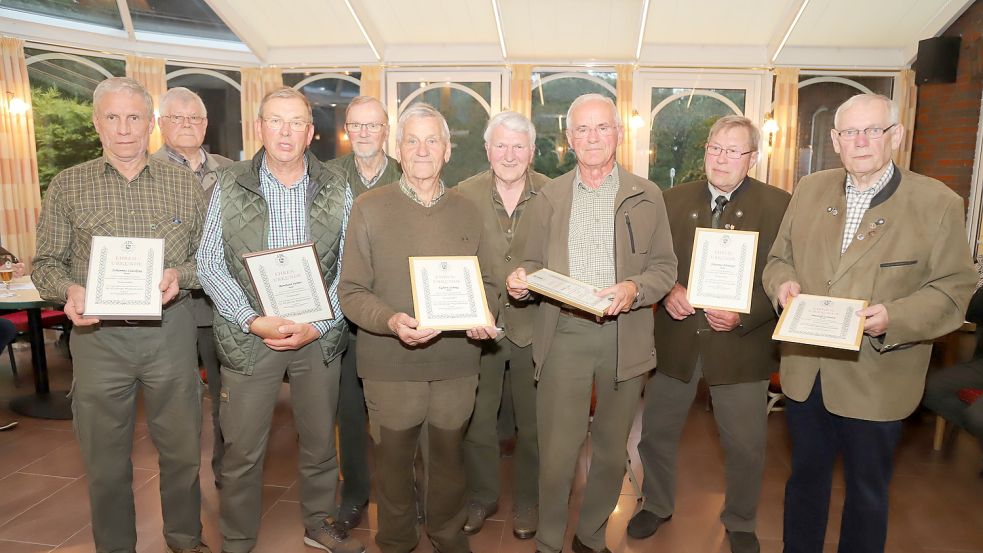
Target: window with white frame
{"points": [[329, 95], [221, 93]]}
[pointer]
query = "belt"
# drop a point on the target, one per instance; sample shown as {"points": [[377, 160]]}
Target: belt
{"points": [[129, 323], [575, 313]]}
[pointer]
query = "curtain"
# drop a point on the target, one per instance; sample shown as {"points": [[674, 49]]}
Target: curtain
{"points": [[151, 74], [520, 96], [256, 83], [626, 75], [371, 81], [907, 99], [20, 193], [781, 167]]}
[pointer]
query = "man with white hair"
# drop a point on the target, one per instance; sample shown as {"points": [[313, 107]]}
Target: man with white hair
{"points": [[502, 194], [127, 193], [875, 232], [602, 225], [183, 120], [418, 381]]}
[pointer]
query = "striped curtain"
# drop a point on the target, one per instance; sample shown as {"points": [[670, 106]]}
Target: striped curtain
{"points": [[781, 169], [20, 193], [626, 75], [151, 74], [371, 81], [520, 95], [256, 83], [907, 100]]}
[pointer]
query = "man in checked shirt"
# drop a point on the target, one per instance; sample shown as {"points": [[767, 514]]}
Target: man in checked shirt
{"points": [[126, 193], [284, 196]]}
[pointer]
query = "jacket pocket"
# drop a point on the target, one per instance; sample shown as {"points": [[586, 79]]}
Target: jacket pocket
{"points": [[898, 263]]}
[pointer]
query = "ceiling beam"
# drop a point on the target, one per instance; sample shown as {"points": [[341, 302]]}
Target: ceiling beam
{"points": [[229, 11], [498, 26], [124, 15], [641, 28], [372, 36], [945, 16], [784, 29]]}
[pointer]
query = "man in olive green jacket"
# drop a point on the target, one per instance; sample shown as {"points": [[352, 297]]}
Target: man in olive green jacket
{"points": [[732, 351], [607, 227], [502, 195], [896, 239]]}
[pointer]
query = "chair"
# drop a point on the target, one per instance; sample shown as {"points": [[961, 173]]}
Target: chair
{"points": [[942, 436], [775, 392], [50, 318]]}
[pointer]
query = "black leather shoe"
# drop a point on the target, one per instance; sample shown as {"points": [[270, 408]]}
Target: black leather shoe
{"points": [[743, 542], [644, 524], [477, 513], [579, 547], [350, 515]]}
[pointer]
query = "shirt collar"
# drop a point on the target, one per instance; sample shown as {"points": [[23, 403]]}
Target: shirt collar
{"points": [[265, 170], [851, 188], [714, 192], [148, 167], [610, 178], [404, 185]]}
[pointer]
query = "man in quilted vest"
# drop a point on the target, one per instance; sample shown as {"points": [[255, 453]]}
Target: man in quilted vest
{"points": [[283, 197]]}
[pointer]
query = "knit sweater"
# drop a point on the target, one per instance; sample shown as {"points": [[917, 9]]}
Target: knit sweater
{"points": [[385, 228]]}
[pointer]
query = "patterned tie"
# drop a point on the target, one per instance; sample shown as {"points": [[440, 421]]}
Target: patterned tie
{"points": [[721, 201]]}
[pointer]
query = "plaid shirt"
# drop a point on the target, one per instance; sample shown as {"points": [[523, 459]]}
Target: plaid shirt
{"points": [[857, 202], [176, 157], [369, 183], [287, 227], [408, 190], [94, 199], [591, 240]]}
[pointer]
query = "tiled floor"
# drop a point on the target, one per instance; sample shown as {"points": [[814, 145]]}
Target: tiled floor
{"points": [[936, 500]]}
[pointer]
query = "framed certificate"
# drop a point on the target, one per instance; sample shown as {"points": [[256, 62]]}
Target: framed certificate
{"points": [[289, 283], [568, 290], [123, 282], [721, 270], [448, 293], [822, 321]]}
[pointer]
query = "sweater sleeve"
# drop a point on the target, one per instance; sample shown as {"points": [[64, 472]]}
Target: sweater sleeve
{"points": [[358, 300]]}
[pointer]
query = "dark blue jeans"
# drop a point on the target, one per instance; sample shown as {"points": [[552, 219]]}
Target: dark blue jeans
{"points": [[818, 436]]}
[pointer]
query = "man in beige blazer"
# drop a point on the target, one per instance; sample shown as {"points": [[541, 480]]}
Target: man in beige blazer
{"points": [[733, 351], [897, 239], [183, 121], [602, 225]]}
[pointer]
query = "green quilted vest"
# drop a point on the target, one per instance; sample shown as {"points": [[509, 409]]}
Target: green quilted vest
{"points": [[245, 224]]}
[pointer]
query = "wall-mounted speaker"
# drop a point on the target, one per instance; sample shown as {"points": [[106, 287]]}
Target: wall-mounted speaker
{"points": [[937, 60]]}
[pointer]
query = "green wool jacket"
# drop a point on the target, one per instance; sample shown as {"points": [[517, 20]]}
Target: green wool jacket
{"points": [[346, 164], [245, 224]]}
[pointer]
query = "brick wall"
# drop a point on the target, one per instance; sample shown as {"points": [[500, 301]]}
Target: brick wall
{"points": [[948, 115]]}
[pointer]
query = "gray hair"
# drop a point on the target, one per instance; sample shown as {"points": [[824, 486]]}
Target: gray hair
{"points": [[421, 109], [892, 107], [513, 121], [737, 121], [289, 94], [593, 96], [360, 100], [180, 94], [122, 84]]}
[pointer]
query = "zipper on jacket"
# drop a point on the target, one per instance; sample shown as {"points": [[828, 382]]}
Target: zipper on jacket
{"points": [[631, 234]]}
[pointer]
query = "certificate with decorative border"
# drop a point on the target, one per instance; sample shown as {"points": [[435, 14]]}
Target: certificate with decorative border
{"points": [[123, 282], [822, 321], [568, 290], [721, 270], [289, 283], [448, 293]]}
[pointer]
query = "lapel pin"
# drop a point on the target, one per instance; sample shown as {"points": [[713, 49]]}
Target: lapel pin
{"points": [[739, 214], [880, 221], [729, 226], [832, 210], [861, 236], [693, 215]]}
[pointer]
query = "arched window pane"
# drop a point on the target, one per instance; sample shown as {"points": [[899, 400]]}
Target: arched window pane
{"points": [[224, 104], [98, 12], [61, 101], [679, 131], [817, 104], [329, 98], [180, 17], [466, 118], [550, 102]]}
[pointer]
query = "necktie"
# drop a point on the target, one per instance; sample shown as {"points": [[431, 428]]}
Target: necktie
{"points": [[721, 201]]}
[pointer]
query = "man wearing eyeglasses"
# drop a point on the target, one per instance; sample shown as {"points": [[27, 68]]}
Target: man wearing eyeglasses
{"points": [[182, 123], [366, 167], [732, 351], [896, 239], [284, 196], [602, 225]]}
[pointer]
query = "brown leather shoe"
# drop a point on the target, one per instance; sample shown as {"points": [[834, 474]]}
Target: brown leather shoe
{"points": [[579, 547]]}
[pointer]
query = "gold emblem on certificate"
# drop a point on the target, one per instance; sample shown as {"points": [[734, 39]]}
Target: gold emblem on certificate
{"points": [[568, 290], [721, 269], [289, 283], [448, 293], [822, 321], [123, 282]]}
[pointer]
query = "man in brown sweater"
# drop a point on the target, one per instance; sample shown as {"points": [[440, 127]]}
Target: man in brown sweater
{"points": [[414, 378]]}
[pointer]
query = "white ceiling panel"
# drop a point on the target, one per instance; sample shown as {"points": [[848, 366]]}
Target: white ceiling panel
{"points": [[713, 23], [571, 29], [865, 23], [433, 22]]}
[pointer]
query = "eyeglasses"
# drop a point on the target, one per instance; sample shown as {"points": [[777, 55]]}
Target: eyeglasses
{"points": [[180, 119], [374, 128], [603, 129], [871, 132], [714, 150], [276, 124]]}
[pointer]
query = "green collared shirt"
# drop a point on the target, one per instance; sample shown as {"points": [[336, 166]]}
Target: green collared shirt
{"points": [[94, 199], [408, 190], [506, 221]]}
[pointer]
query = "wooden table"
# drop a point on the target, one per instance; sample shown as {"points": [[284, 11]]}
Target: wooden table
{"points": [[43, 403]]}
